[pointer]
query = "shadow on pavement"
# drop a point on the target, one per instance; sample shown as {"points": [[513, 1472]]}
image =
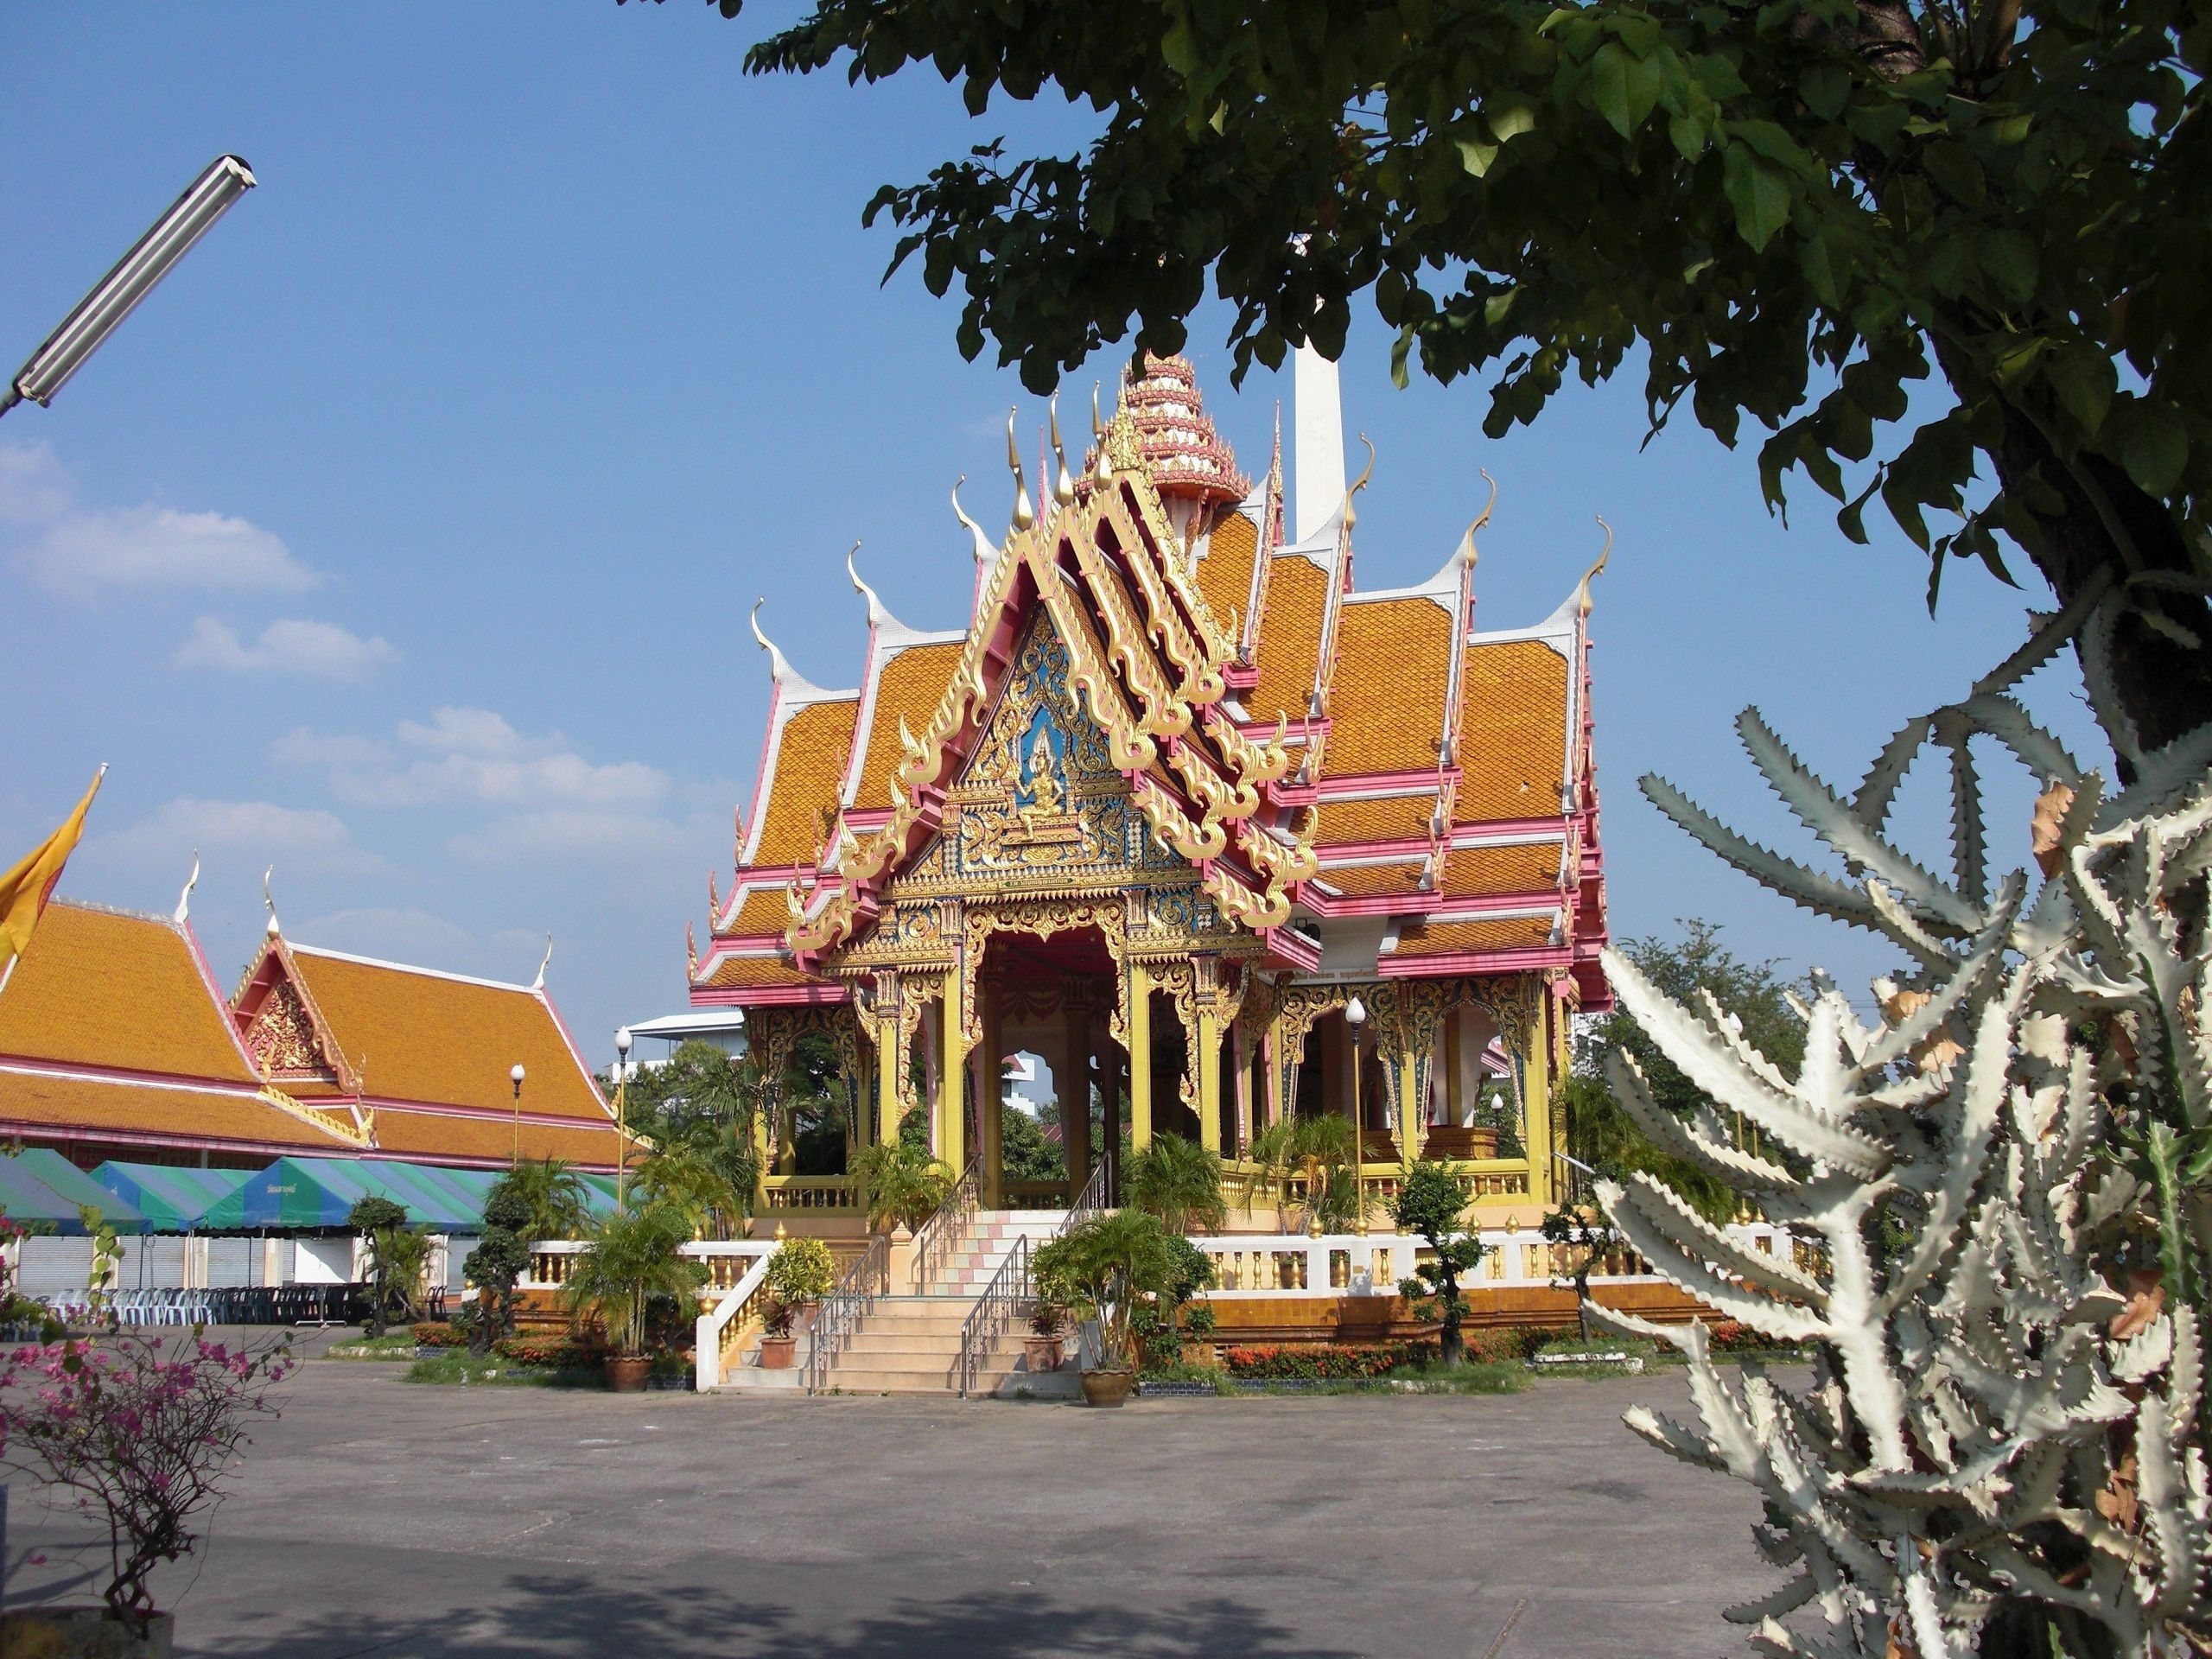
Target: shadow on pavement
{"points": [[534, 1615]]}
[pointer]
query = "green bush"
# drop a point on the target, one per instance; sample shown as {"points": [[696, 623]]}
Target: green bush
{"points": [[554, 1353], [438, 1334], [801, 1270], [1339, 1362], [1504, 1344]]}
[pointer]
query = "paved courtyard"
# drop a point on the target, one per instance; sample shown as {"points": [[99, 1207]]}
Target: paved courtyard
{"points": [[381, 1518]]}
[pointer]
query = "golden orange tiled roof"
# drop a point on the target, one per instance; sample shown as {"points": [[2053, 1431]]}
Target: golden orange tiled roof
{"points": [[910, 685], [763, 912], [1290, 638], [1370, 880], [1486, 872], [1496, 933], [1393, 683], [1400, 818], [411, 1034], [429, 1134], [97, 1106], [1512, 731], [1225, 573], [811, 758], [754, 972], [104, 988]]}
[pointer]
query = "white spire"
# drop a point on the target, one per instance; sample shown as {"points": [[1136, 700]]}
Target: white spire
{"points": [[539, 984], [184, 899], [1317, 412]]}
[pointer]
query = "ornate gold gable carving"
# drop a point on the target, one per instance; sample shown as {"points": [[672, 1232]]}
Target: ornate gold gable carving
{"points": [[283, 1041]]}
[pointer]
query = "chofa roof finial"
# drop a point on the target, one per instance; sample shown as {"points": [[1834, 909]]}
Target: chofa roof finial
{"points": [[268, 900], [777, 667], [1024, 515], [1582, 592], [1063, 484], [1102, 469], [184, 899], [1351, 515], [1466, 554], [984, 552], [539, 984], [877, 614]]}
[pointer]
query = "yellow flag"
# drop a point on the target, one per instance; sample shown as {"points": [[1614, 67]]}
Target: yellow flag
{"points": [[25, 889]]}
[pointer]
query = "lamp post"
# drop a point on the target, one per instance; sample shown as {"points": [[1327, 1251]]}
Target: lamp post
{"points": [[95, 317], [1356, 1017], [621, 1113], [515, 1076]]}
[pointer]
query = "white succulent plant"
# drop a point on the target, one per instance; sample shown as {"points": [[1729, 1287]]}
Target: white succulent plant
{"points": [[1999, 1202]]}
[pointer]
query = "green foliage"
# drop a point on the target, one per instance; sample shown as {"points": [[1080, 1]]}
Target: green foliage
{"points": [[1588, 1233], [901, 1185], [1430, 1202], [801, 1270], [1322, 1150], [1104, 1268], [396, 1255], [498, 1260], [1601, 1134], [707, 1177], [1795, 214], [556, 1201], [630, 1258], [696, 1114], [1024, 1152], [374, 1214], [1179, 1181], [1324, 1363]]}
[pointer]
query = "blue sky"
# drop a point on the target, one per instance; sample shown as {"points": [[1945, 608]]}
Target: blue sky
{"points": [[404, 538]]}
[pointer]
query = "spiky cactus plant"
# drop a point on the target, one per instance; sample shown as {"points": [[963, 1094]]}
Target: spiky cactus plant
{"points": [[1999, 1200]]}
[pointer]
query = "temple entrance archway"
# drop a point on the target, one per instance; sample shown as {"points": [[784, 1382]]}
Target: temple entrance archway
{"points": [[1054, 996]]}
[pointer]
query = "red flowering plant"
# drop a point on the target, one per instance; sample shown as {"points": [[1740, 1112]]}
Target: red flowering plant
{"points": [[138, 1430]]}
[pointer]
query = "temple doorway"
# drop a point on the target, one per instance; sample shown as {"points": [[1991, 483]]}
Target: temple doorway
{"points": [[1038, 1138]]}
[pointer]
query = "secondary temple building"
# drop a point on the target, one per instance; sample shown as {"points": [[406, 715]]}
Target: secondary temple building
{"points": [[1182, 810]]}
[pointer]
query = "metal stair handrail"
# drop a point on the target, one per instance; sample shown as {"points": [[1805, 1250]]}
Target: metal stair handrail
{"points": [[994, 1311], [1091, 1201], [838, 1319], [947, 1229]]}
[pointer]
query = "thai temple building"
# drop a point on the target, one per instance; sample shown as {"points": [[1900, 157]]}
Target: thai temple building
{"points": [[1183, 810], [116, 1042]]}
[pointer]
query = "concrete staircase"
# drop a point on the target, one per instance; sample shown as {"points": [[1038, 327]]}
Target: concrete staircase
{"points": [[910, 1341]]}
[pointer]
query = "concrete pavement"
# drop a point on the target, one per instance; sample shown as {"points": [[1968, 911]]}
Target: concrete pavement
{"points": [[377, 1517]]}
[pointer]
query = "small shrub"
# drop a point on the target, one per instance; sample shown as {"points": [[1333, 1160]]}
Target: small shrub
{"points": [[1199, 1322], [1340, 1363], [802, 1270], [436, 1333], [553, 1353], [1503, 1344]]}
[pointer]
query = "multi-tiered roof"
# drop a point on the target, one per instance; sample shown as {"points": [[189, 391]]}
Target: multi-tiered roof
{"points": [[1362, 780]]}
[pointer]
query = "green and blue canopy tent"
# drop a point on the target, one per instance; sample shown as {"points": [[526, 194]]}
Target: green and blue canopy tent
{"points": [[172, 1198], [317, 1194], [26, 1196]]}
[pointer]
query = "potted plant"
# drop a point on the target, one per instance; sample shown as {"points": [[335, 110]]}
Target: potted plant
{"points": [[1102, 1269], [138, 1431], [800, 1274], [1042, 1346], [778, 1346], [629, 1259], [901, 1185]]}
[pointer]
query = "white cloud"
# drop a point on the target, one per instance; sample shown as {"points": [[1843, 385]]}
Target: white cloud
{"points": [[573, 832], [300, 838], [77, 550], [472, 754], [290, 646], [400, 933]]}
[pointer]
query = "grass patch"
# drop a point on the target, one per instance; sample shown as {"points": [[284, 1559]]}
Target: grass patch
{"points": [[462, 1369]]}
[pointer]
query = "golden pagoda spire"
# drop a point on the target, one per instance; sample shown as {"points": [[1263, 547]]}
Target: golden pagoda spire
{"points": [[1063, 485], [1024, 516]]}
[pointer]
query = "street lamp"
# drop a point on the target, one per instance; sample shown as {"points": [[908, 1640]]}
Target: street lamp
{"points": [[621, 1112], [82, 331], [515, 1076]]}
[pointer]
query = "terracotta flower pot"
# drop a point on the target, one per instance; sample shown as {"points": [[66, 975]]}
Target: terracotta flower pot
{"points": [[777, 1352], [1042, 1352], [82, 1633], [626, 1373], [1108, 1388]]}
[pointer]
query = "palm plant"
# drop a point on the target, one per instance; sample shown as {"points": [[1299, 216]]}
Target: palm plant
{"points": [[1320, 1154], [550, 1188], [1104, 1268], [1179, 1182], [707, 1171], [629, 1258], [901, 1185]]}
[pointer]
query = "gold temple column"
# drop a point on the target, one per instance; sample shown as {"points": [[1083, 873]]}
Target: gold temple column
{"points": [[1536, 1103], [1073, 1087], [890, 1065], [1411, 1109], [1140, 1057], [951, 1076], [1205, 1052], [990, 1099], [1453, 1110], [1271, 1064]]}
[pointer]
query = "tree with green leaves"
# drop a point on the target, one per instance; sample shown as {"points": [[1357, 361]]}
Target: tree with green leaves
{"points": [[901, 1184], [559, 1202], [500, 1260], [1795, 214], [1697, 964], [1177, 1180], [395, 1255], [631, 1257], [1432, 1203]]}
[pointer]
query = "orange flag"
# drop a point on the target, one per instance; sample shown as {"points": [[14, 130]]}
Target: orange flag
{"points": [[25, 889]]}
